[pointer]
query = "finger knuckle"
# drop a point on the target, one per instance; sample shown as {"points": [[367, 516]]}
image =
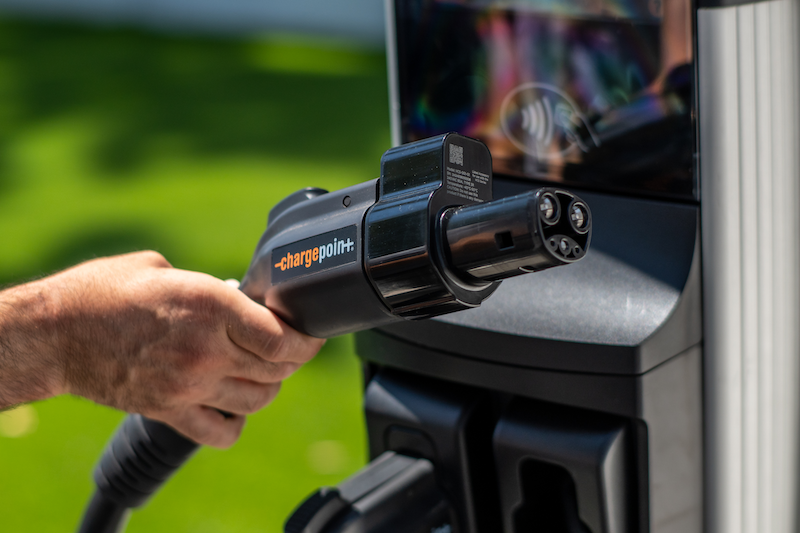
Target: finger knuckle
{"points": [[272, 392], [252, 403], [276, 346], [285, 370], [271, 371], [153, 258], [259, 399], [231, 433], [203, 434], [312, 349]]}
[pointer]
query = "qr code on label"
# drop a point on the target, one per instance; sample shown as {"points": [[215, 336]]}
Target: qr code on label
{"points": [[456, 155]]}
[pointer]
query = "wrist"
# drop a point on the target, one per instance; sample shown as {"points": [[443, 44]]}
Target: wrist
{"points": [[30, 365]]}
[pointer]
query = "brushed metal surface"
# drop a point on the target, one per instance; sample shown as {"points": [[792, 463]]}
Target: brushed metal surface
{"points": [[748, 136]]}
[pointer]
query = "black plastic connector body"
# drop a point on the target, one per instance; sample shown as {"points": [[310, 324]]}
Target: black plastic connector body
{"points": [[405, 253], [512, 236], [423, 240], [393, 494]]}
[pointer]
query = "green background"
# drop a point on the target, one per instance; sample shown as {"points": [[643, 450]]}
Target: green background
{"points": [[113, 140]]}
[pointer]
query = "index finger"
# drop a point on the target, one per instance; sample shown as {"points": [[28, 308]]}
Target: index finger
{"points": [[260, 331]]}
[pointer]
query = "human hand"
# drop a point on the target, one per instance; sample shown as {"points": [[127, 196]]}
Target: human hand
{"points": [[136, 334]]}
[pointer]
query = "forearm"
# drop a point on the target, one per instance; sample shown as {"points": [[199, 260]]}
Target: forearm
{"points": [[29, 356]]}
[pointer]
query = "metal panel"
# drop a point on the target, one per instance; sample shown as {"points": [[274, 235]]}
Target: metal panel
{"points": [[391, 65], [748, 137], [783, 47], [748, 166], [719, 172], [765, 252]]}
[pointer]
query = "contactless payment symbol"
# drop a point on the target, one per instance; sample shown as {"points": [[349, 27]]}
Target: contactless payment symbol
{"points": [[544, 122]]}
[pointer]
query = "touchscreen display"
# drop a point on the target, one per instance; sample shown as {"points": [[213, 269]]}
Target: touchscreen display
{"points": [[594, 93]]}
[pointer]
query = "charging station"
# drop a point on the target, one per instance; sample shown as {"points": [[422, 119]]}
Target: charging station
{"points": [[652, 387], [646, 385]]}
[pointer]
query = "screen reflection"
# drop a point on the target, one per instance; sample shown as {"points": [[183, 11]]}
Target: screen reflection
{"points": [[594, 93]]}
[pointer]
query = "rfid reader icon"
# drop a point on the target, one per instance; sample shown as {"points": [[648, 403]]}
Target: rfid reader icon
{"points": [[544, 122]]}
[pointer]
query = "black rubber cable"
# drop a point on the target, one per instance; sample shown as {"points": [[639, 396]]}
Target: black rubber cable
{"points": [[104, 516], [141, 456]]}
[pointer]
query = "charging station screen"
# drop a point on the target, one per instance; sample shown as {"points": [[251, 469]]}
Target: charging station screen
{"points": [[591, 93]]}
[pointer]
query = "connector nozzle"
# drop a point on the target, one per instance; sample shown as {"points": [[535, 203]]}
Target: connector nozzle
{"points": [[524, 233]]}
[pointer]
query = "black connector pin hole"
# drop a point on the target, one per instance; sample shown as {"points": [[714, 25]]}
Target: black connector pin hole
{"points": [[346, 201], [549, 208]]}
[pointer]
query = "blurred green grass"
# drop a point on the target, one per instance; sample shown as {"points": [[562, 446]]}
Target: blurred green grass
{"points": [[114, 140]]}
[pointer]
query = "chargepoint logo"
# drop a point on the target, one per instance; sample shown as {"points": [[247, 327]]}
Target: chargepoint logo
{"points": [[544, 122], [317, 254], [314, 254]]}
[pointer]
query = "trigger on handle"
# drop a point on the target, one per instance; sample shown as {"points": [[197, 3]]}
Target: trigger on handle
{"points": [[292, 200]]}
